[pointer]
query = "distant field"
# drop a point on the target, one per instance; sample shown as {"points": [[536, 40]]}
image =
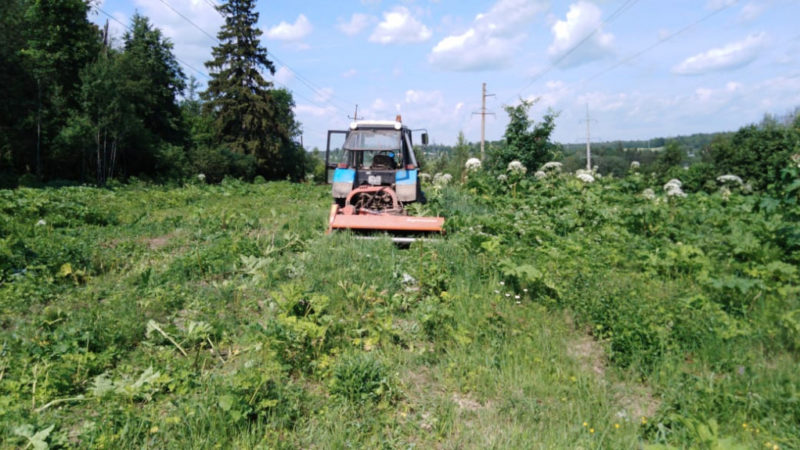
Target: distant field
{"points": [[553, 314]]}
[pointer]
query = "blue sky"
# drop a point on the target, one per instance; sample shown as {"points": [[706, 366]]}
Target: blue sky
{"points": [[645, 68]]}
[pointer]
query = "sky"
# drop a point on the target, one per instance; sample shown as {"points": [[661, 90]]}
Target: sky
{"points": [[642, 68]]}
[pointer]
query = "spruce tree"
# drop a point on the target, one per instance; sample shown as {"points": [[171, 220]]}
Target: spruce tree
{"points": [[248, 117]]}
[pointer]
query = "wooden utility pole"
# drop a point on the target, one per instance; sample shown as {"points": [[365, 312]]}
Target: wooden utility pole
{"points": [[355, 116], [483, 115]]}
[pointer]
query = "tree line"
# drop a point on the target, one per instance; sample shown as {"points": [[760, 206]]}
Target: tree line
{"points": [[79, 107], [758, 153]]}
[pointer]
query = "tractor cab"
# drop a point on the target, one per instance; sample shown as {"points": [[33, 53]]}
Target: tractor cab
{"points": [[375, 153]]}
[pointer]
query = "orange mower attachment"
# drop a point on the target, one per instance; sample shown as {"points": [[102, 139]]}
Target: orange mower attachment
{"points": [[376, 208]]}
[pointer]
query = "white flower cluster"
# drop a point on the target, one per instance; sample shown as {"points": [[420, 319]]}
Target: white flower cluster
{"points": [[201, 176], [502, 177], [673, 188], [426, 177], [553, 166], [635, 165], [442, 179], [540, 174], [587, 176], [730, 179], [41, 223], [796, 159], [516, 167], [473, 164], [649, 194], [725, 192]]}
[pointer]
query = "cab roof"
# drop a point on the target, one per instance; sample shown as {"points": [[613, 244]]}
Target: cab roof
{"points": [[377, 124]]}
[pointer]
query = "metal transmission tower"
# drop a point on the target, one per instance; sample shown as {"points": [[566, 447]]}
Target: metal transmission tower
{"points": [[483, 115]]}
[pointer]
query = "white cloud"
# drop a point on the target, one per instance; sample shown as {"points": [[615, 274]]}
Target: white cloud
{"points": [[733, 86], [471, 51], [191, 45], [492, 40], [379, 105], [719, 4], [291, 31], [350, 73], [575, 40], [508, 17], [751, 11], [283, 75], [604, 102], [400, 27], [313, 110], [731, 56], [323, 95], [358, 22], [115, 29], [427, 98]]}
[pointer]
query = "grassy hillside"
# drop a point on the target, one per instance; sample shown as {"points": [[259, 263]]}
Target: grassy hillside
{"points": [[553, 315]]}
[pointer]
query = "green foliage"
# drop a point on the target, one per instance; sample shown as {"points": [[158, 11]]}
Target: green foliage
{"points": [[222, 314], [361, 377], [525, 140], [249, 117], [670, 158], [757, 153]]}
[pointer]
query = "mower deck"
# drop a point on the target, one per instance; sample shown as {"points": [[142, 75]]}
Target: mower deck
{"points": [[405, 226]]}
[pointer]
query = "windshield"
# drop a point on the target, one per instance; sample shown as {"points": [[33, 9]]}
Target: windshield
{"points": [[373, 140]]}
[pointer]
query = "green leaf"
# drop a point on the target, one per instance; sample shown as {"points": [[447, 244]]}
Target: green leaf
{"points": [[37, 440], [65, 270], [225, 402]]}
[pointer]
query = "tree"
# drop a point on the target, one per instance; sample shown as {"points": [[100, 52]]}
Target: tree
{"points": [[460, 156], [757, 153], [17, 87], [60, 41], [672, 156], [154, 79], [151, 81], [525, 140], [249, 117]]}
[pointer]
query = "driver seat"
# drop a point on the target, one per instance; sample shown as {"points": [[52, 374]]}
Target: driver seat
{"points": [[383, 162]]}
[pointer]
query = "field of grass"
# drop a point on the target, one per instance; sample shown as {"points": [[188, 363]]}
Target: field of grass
{"points": [[553, 315]]}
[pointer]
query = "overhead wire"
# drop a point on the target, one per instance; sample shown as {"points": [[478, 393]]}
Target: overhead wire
{"points": [[204, 74], [659, 42], [624, 7], [324, 96], [200, 72]]}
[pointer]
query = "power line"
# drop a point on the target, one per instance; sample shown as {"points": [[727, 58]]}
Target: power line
{"points": [[212, 4], [299, 77], [189, 20], [625, 6], [658, 43], [204, 73], [130, 30], [307, 82]]}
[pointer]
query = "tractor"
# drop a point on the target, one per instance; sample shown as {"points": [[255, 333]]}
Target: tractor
{"points": [[375, 175]]}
